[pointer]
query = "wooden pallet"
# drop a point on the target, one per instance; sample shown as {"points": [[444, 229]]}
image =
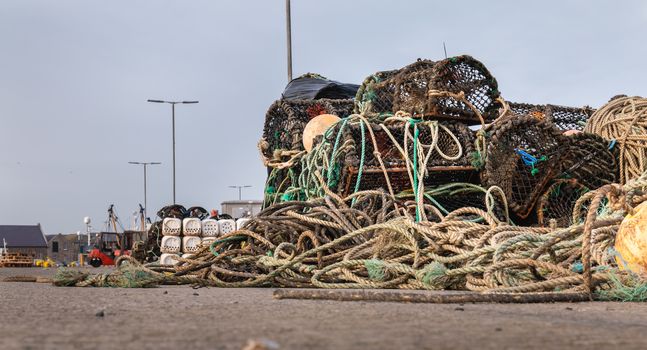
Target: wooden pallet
{"points": [[16, 260], [17, 264]]}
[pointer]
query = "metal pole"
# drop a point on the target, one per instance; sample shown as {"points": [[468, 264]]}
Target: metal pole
{"points": [[240, 193], [145, 199], [289, 38], [173, 120]]}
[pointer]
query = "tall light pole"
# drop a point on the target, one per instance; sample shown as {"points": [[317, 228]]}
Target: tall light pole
{"points": [[288, 27], [145, 164], [240, 190], [173, 103]]}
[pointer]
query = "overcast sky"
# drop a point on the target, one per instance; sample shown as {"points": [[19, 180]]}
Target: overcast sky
{"points": [[75, 77]]}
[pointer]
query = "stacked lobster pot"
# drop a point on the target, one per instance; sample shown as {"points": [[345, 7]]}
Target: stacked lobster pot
{"points": [[281, 146], [437, 133], [458, 89], [543, 162], [412, 135]]}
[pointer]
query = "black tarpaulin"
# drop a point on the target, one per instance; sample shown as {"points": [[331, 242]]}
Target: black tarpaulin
{"points": [[314, 87]]}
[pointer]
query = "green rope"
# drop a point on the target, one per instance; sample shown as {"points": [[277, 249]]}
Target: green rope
{"points": [[416, 133], [633, 288], [361, 161], [334, 151], [375, 269]]}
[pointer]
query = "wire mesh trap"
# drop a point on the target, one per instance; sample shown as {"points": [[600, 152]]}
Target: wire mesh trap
{"points": [[558, 201], [590, 159], [383, 156], [522, 156], [413, 88], [376, 94], [285, 120], [564, 118]]}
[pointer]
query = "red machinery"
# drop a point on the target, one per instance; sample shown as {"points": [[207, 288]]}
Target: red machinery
{"points": [[110, 245]]}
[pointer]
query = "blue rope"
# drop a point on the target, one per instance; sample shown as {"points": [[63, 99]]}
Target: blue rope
{"points": [[530, 160]]}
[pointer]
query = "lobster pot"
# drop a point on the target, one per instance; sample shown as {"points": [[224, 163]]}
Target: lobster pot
{"points": [[564, 118], [210, 228], [168, 259], [523, 155], [412, 90], [286, 119], [171, 227], [240, 223], [451, 145], [375, 95], [190, 244], [590, 159], [226, 226], [192, 227], [171, 244], [558, 201]]}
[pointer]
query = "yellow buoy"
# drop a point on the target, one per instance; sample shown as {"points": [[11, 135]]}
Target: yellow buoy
{"points": [[317, 126], [631, 241]]}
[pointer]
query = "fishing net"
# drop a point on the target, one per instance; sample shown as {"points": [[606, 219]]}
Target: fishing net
{"points": [[285, 120], [522, 156], [558, 201], [564, 118], [590, 159], [415, 89]]}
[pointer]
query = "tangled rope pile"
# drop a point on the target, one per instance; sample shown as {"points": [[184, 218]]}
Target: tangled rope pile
{"points": [[624, 119], [371, 240]]}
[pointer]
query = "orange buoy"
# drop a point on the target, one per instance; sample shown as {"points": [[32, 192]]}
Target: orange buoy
{"points": [[631, 241], [317, 126]]}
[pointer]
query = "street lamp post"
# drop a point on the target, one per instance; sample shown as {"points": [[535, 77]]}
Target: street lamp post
{"points": [[173, 103], [240, 190], [145, 164], [288, 27]]}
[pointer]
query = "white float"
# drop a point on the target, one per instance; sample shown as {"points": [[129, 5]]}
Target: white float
{"points": [[210, 228], [190, 244], [241, 222], [167, 259], [170, 244], [191, 227], [171, 227], [226, 226]]}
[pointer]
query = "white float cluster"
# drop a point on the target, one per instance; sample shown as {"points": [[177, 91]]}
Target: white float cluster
{"points": [[185, 237]]}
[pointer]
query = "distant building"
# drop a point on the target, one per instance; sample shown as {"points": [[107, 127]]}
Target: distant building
{"points": [[26, 239], [241, 209], [66, 248]]}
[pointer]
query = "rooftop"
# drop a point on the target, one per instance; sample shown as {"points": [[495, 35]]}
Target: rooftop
{"points": [[22, 236]]}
